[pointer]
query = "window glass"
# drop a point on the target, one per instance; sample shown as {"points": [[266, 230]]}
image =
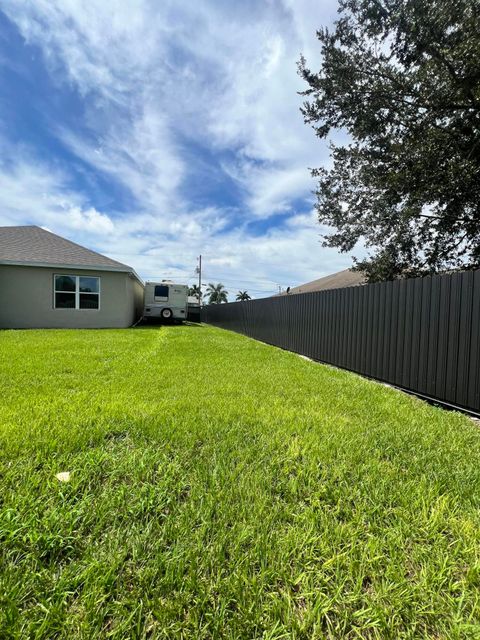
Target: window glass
{"points": [[65, 283], [161, 291], [76, 292], [88, 285], [89, 301], [65, 300]]}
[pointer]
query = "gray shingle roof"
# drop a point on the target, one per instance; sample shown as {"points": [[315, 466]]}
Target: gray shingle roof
{"points": [[346, 278], [31, 245]]}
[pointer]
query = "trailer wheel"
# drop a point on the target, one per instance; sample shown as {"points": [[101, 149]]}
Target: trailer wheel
{"points": [[166, 314]]}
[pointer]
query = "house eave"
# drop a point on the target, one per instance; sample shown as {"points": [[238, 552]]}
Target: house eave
{"points": [[76, 267]]}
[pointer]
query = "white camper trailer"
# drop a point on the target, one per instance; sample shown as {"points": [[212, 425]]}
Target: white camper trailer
{"points": [[165, 300]]}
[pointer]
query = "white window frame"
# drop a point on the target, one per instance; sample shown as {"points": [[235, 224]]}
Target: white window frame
{"points": [[77, 292]]}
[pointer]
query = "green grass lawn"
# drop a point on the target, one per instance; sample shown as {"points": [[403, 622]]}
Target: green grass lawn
{"points": [[221, 488]]}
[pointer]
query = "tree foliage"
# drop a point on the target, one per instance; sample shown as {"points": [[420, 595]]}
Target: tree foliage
{"points": [[402, 79], [242, 296], [195, 291], [216, 293]]}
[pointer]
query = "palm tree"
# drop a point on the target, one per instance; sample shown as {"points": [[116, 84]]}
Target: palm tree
{"points": [[243, 295], [195, 291], [216, 293]]}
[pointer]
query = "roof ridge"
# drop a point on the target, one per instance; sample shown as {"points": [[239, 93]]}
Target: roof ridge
{"points": [[21, 226]]}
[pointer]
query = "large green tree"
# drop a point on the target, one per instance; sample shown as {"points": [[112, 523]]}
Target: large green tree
{"points": [[402, 79], [216, 293]]}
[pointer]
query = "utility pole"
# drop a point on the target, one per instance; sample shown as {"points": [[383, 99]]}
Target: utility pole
{"points": [[200, 280]]}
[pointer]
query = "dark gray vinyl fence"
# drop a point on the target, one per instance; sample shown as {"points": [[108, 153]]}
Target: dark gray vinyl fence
{"points": [[193, 313], [421, 334]]}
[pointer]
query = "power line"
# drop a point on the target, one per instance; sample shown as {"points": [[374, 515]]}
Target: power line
{"points": [[216, 277], [190, 274], [222, 276], [256, 285]]}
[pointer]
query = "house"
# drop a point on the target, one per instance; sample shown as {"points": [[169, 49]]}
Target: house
{"points": [[339, 280], [49, 282]]}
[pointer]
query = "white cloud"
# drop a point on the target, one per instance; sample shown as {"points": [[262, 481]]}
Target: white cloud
{"points": [[271, 189], [32, 192], [285, 257], [139, 154], [222, 76], [89, 220], [158, 80], [103, 45]]}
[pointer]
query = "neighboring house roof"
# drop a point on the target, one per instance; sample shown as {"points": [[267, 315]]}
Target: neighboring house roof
{"points": [[34, 246], [346, 278]]}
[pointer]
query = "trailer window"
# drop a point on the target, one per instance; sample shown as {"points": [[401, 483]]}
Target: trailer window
{"points": [[161, 291]]}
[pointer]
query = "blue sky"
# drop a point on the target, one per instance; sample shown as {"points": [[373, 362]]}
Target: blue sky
{"points": [[153, 132]]}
